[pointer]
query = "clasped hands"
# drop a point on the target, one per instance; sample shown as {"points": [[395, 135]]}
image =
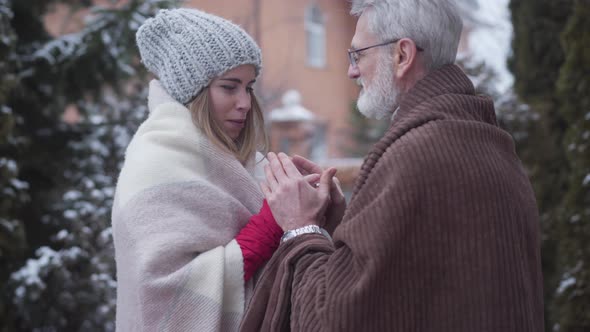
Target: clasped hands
{"points": [[301, 193]]}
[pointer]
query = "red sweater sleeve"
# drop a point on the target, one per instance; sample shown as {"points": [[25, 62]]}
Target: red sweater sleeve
{"points": [[258, 240]]}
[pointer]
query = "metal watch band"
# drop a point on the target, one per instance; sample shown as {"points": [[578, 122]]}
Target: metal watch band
{"points": [[309, 229]]}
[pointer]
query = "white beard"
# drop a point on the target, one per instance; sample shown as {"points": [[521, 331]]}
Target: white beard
{"points": [[379, 99]]}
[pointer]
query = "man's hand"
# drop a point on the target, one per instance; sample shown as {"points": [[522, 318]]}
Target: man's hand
{"points": [[337, 206], [294, 202]]}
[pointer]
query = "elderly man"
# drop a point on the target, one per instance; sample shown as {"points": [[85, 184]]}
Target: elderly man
{"points": [[442, 231]]}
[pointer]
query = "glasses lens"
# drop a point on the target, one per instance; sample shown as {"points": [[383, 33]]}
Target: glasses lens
{"points": [[352, 58]]}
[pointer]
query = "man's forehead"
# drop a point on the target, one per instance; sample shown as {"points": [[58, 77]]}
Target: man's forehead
{"points": [[361, 33]]}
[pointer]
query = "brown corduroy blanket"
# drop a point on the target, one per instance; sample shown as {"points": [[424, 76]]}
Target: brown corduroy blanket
{"points": [[441, 234]]}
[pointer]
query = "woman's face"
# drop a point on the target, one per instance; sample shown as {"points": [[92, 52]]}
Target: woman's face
{"points": [[230, 99]]}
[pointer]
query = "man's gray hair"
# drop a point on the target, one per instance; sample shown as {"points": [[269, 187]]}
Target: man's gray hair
{"points": [[434, 25]]}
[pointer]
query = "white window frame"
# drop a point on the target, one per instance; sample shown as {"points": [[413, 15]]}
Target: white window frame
{"points": [[315, 36]]}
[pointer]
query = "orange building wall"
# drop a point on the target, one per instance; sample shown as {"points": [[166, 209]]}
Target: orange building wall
{"points": [[278, 26], [63, 19]]}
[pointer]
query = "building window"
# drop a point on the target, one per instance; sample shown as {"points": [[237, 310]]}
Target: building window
{"points": [[319, 149], [315, 33]]}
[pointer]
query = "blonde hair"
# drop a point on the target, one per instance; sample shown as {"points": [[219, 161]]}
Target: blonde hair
{"points": [[252, 138]]}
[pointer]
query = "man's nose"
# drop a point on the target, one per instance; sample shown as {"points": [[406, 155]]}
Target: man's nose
{"points": [[353, 72]]}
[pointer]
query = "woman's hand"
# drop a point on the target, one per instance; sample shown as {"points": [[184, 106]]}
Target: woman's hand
{"points": [[337, 206], [293, 200]]}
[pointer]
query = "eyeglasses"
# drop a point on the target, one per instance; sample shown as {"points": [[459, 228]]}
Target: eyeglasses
{"points": [[353, 55]]}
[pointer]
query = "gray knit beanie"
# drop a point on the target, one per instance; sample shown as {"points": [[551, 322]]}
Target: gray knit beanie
{"points": [[187, 48]]}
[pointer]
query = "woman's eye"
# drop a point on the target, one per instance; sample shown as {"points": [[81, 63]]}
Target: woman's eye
{"points": [[228, 87], [250, 89]]}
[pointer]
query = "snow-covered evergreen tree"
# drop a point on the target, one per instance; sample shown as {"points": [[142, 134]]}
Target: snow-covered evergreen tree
{"points": [[76, 272], [13, 190], [68, 281], [573, 293], [550, 64]]}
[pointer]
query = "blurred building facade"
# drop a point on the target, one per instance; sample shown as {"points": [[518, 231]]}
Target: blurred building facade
{"points": [[305, 62], [304, 45]]}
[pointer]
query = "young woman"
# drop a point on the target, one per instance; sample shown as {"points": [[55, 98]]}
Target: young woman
{"points": [[188, 225]]}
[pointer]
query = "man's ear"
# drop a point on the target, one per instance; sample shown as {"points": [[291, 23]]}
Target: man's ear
{"points": [[405, 57]]}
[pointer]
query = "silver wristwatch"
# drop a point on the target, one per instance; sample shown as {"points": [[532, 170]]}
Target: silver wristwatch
{"points": [[309, 229]]}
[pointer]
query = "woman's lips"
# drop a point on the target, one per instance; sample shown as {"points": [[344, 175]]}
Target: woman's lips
{"points": [[237, 123]]}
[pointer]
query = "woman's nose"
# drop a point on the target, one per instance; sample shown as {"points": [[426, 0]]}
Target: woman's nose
{"points": [[244, 101]]}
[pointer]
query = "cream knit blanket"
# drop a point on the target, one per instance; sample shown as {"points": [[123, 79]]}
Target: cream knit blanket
{"points": [[180, 201]]}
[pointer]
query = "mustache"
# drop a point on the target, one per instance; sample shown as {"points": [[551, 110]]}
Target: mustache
{"points": [[359, 82]]}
